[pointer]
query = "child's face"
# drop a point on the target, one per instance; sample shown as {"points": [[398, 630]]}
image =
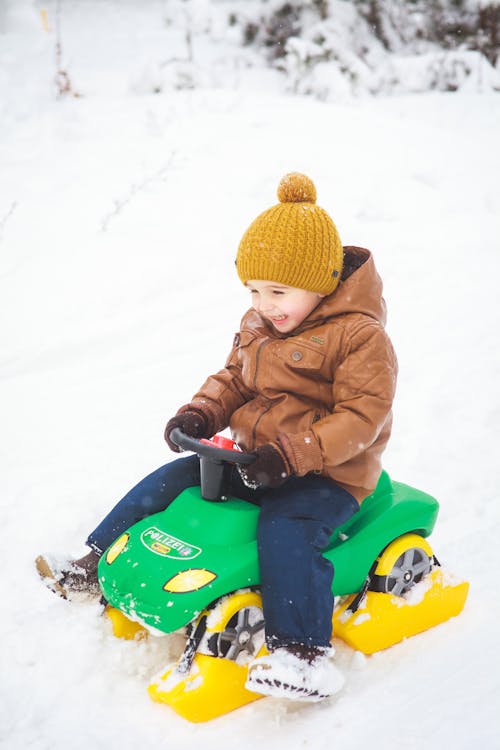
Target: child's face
{"points": [[283, 306]]}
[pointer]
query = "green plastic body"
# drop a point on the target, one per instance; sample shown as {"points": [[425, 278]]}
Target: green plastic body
{"points": [[194, 534]]}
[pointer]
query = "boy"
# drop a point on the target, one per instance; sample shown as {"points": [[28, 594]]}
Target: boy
{"points": [[308, 387]]}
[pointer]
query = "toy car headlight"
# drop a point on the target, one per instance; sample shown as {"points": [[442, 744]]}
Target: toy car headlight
{"points": [[189, 580], [117, 548]]}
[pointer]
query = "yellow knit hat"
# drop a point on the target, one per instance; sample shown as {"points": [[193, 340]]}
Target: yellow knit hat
{"points": [[294, 243]]}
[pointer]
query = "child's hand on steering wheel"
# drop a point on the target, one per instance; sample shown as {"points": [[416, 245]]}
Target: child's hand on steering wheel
{"points": [[270, 468], [192, 423]]}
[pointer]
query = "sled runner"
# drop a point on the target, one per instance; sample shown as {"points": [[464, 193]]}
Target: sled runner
{"points": [[194, 566]]}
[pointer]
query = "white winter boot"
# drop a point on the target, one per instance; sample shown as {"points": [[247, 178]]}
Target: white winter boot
{"points": [[296, 672]]}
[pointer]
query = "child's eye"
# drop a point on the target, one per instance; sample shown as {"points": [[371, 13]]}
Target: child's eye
{"points": [[278, 291]]}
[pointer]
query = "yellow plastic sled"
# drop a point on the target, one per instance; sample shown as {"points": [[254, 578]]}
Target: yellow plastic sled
{"points": [[213, 686], [211, 681], [412, 597], [123, 627], [384, 620]]}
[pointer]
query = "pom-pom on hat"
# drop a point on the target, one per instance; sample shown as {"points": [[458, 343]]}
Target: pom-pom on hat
{"points": [[294, 243]]}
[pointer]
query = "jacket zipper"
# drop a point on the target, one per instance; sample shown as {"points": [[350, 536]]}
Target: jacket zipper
{"points": [[262, 414], [257, 358]]}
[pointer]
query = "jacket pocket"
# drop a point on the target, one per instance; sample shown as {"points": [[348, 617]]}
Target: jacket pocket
{"points": [[298, 356]]}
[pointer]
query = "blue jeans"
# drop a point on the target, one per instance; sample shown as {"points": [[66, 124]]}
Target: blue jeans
{"points": [[295, 524]]}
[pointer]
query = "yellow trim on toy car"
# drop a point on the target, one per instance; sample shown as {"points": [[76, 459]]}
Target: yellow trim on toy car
{"points": [[398, 547]]}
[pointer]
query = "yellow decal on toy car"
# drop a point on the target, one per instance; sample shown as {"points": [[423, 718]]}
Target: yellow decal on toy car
{"points": [[189, 580], [117, 548]]}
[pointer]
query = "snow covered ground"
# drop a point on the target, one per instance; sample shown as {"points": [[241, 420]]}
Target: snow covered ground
{"points": [[120, 214]]}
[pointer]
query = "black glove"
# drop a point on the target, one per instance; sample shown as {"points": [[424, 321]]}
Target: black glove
{"points": [[270, 468], [192, 423]]}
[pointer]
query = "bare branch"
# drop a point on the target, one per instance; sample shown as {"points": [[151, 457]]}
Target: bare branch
{"points": [[134, 190], [61, 79], [6, 217]]}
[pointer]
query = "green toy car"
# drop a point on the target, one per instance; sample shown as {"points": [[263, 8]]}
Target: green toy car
{"points": [[194, 566], [169, 567]]}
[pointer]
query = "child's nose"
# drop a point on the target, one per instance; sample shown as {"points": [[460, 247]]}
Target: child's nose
{"points": [[266, 306]]}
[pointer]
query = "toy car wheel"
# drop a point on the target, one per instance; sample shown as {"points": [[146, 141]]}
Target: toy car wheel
{"points": [[408, 570], [235, 628], [404, 563], [243, 635]]}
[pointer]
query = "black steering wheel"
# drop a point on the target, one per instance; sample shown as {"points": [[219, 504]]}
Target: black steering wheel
{"points": [[214, 462], [209, 450]]}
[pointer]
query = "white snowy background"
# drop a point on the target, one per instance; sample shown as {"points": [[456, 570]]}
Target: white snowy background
{"points": [[120, 214]]}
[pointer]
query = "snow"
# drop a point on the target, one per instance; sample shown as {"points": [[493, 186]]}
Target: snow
{"points": [[120, 215]]}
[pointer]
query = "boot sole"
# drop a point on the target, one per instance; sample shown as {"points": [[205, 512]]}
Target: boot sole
{"points": [[278, 689], [48, 577]]}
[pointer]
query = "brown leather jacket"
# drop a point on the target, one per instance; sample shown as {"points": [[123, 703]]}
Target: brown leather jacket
{"points": [[323, 392]]}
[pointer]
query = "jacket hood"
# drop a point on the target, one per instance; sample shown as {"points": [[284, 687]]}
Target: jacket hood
{"points": [[359, 291]]}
